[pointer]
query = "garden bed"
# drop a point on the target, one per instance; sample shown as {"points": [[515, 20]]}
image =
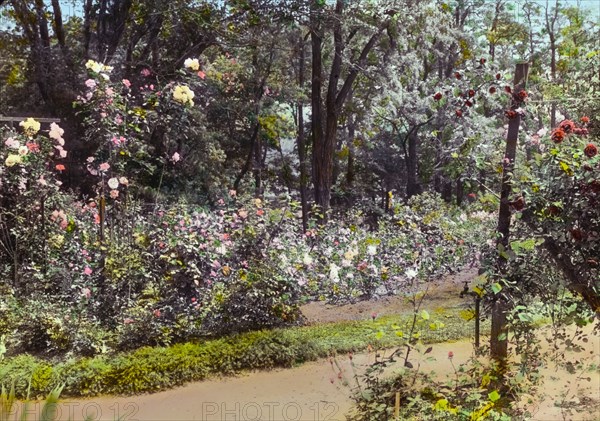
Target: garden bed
{"points": [[151, 369]]}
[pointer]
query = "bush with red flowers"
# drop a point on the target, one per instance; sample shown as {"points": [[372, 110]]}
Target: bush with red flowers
{"points": [[563, 206]]}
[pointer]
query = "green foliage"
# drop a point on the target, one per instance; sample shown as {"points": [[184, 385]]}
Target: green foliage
{"points": [[9, 405]]}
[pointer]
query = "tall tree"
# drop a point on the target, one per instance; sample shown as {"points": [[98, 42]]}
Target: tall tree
{"points": [[326, 109]]}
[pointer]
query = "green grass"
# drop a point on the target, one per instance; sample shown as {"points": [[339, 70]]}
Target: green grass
{"points": [[151, 369]]}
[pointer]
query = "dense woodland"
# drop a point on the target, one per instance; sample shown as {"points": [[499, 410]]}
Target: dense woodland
{"points": [[214, 164]]}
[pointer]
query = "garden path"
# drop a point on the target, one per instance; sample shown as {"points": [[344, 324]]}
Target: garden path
{"points": [[313, 392]]}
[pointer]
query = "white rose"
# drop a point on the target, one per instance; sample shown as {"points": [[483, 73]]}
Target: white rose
{"points": [[334, 273], [113, 183], [371, 250], [307, 260], [192, 64]]}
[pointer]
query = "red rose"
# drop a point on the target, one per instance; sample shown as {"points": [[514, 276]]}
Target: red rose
{"points": [[553, 210], [519, 203], [567, 125], [457, 75], [577, 234], [584, 119], [492, 89], [459, 113], [482, 60], [437, 96], [498, 76], [590, 150], [471, 93], [522, 95], [507, 89], [558, 135], [468, 103], [511, 114], [594, 186]]}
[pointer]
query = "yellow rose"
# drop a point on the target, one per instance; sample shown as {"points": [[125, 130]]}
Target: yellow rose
{"points": [[30, 126], [96, 67], [12, 160], [184, 95]]}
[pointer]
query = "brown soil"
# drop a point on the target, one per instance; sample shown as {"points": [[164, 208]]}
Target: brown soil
{"points": [[443, 293]]}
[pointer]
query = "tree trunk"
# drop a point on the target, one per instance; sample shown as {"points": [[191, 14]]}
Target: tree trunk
{"points": [[87, 27], [319, 179], [301, 141], [492, 48], [447, 191], [58, 24], [248, 163], [413, 186], [550, 29], [460, 191], [350, 170], [257, 167]]}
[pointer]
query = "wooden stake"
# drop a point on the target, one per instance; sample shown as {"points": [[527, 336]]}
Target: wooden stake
{"points": [[500, 307], [397, 408]]}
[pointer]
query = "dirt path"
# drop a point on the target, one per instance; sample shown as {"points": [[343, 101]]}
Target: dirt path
{"points": [[312, 392], [444, 293]]}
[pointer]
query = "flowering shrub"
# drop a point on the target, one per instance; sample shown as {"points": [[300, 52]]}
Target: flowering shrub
{"points": [[178, 272], [562, 206], [139, 132], [29, 192]]}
